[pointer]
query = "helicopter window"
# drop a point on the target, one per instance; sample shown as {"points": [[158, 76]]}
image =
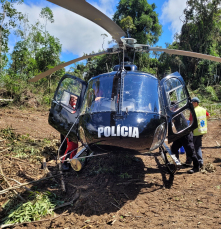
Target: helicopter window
{"points": [[140, 94], [171, 84], [65, 98], [176, 93], [181, 121], [69, 100], [100, 95], [70, 86]]}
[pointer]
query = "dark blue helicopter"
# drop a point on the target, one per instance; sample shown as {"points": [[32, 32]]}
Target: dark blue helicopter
{"points": [[123, 110]]}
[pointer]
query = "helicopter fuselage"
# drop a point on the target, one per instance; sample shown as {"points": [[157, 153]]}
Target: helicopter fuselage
{"points": [[119, 110], [122, 110], [134, 131]]}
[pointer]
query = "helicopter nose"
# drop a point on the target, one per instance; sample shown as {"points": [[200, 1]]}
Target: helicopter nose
{"points": [[137, 131]]}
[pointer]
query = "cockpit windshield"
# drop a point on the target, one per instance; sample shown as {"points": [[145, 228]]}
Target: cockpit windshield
{"points": [[140, 93], [137, 93], [98, 97]]}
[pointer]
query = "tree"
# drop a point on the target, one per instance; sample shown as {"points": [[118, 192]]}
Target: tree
{"points": [[201, 33], [104, 35], [47, 14], [177, 61], [139, 20], [37, 53], [127, 25], [8, 20]]}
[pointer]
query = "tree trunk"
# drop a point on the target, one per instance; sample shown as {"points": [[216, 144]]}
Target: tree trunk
{"points": [[1, 29]]}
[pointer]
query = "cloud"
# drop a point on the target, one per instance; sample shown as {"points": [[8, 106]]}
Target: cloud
{"points": [[105, 6], [172, 12], [76, 34]]}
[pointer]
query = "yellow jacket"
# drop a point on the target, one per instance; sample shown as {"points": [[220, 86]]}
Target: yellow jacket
{"points": [[202, 121]]}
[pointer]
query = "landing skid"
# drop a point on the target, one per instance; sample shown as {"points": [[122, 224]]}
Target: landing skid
{"points": [[170, 160]]}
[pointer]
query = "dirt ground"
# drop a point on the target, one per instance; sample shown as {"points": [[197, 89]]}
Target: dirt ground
{"points": [[124, 191]]}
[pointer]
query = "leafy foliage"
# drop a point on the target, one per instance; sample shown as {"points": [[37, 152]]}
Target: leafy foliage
{"points": [[8, 20], [42, 205], [200, 33], [139, 20], [212, 92], [37, 53]]}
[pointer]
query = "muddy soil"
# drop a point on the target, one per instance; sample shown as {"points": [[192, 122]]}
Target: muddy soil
{"points": [[123, 191]]}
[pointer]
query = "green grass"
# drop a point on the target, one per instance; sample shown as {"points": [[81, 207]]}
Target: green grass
{"points": [[38, 206], [24, 147], [210, 99], [8, 133]]}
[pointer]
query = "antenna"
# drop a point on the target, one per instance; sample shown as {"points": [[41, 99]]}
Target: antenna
{"points": [[123, 60]]}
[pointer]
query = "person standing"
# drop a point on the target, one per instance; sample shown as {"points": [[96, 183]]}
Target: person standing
{"points": [[186, 141], [202, 117], [69, 148]]}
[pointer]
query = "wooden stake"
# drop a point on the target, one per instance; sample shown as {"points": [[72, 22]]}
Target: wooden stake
{"points": [[62, 178], [47, 171]]}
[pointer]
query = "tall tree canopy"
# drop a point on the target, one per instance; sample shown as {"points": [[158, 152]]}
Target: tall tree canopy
{"points": [[37, 51], [201, 33], [8, 20], [139, 20]]}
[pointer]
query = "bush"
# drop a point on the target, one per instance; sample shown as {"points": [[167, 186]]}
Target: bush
{"points": [[25, 93], [212, 93]]}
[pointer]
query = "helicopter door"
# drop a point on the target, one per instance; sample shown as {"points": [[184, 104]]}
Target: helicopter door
{"points": [[66, 105], [178, 107]]}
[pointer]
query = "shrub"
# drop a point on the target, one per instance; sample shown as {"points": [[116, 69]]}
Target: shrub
{"points": [[212, 92]]}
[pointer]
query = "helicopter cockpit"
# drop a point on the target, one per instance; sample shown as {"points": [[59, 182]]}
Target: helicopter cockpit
{"points": [[137, 93]]}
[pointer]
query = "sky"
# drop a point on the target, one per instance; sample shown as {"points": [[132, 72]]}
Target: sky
{"points": [[79, 35]]}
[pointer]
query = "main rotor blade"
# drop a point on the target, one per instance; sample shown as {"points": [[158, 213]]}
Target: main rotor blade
{"points": [[186, 53], [58, 67], [86, 10]]}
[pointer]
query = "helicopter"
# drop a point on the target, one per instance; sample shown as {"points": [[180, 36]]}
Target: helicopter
{"points": [[123, 110]]}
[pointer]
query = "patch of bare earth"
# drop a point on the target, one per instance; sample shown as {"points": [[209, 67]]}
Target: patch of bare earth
{"points": [[123, 191], [28, 121]]}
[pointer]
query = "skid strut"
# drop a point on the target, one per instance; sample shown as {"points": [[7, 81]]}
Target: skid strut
{"points": [[170, 160]]}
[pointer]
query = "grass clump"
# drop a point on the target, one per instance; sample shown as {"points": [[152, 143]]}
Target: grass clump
{"points": [[42, 205], [8, 133]]}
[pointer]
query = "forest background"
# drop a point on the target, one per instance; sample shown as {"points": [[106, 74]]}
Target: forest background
{"points": [[37, 50]]}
